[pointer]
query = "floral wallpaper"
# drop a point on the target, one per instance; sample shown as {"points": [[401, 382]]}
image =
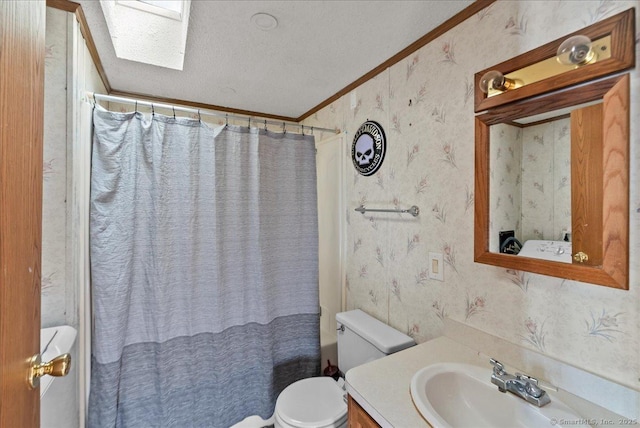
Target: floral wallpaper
{"points": [[55, 290], [425, 104], [66, 69], [505, 182], [530, 181], [546, 180]]}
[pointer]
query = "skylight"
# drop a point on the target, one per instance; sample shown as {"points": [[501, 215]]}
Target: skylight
{"points": [[167, 8], [140, 30], [174, 5]]}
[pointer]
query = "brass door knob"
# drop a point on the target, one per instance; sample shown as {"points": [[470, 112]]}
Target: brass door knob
{"points": [[59, 366], [580, 257]]}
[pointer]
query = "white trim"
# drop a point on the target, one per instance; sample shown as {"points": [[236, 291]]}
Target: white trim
{"points": [[342, 227], [150, 7], [82, 77], [343, 219], [73, 121]]}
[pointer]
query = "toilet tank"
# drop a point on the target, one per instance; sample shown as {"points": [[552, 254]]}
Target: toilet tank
{"points": [[362, 338]]}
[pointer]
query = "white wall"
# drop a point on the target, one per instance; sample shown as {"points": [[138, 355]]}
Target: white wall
{"points": [[58, 297]]}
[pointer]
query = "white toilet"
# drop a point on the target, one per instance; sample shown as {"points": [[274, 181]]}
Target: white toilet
{"points": [[319, 402]]}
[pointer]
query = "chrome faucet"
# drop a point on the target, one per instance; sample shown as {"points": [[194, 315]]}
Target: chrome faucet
{"points": [[525, 387]]}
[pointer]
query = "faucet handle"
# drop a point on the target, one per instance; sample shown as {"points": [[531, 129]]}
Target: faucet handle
{"points": [[534, 390], [498, 368], [527, 378], [531, 386]]}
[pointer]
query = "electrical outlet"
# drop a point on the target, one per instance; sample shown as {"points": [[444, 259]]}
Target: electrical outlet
{"points": [[436, 266]]}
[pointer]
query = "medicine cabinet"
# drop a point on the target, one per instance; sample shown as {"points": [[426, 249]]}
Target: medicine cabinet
{"points": [[587, 105]]}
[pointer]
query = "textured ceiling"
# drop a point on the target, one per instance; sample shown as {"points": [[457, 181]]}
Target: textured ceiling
{"points": [[318, 48]]}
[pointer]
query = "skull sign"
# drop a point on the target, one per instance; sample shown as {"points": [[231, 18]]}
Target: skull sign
{"points": [[368, 148], [364, 150]]}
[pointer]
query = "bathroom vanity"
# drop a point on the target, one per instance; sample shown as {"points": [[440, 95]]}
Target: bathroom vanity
{"points": [[379, 391], [358, 417]]}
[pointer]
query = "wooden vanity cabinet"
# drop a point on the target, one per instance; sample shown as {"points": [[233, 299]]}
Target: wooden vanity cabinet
{"points": [[358, 417]]}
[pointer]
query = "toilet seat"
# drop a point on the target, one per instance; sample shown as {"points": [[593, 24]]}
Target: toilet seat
{"points": [[316, 402]]}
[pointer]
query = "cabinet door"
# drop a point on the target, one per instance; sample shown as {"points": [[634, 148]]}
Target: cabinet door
{"points": [[358, 417], [587, 183]]}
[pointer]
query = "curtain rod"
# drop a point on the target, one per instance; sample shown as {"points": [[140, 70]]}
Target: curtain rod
{"points": [[92, 96]]}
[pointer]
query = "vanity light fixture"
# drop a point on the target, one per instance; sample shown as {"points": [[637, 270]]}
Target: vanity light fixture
{"points": [[576, 50], [607, 46], [495, 80]]}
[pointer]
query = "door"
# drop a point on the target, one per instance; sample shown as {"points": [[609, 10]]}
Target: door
{"points": [[330, 160], [22, 48], [587, 184]]}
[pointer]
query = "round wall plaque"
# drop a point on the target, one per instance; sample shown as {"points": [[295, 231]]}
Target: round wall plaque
{"points": [[368, 148]]}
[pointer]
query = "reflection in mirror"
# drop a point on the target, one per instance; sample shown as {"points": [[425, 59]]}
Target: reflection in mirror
{"points": [[530, 186]]}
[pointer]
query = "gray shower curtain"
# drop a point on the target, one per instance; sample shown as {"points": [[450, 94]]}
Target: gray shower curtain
{"points": [[204, 264]]}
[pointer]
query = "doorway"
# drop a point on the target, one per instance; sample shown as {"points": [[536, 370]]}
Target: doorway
{"points": [[330, 166]]}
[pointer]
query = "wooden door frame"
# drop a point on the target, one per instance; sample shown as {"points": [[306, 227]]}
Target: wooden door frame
{"points": [[22, 51]]}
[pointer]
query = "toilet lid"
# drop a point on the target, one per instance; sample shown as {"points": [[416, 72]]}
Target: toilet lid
{"points": [[312, 402]]}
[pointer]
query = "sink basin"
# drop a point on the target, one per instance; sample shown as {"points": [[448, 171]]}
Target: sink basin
{"points": [[462, 395]]}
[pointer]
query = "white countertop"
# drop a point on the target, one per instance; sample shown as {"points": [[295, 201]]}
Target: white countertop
{"points": [[381, 387]]}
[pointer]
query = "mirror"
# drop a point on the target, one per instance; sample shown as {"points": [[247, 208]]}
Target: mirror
{"points": [[530, 187], [591, 189]]}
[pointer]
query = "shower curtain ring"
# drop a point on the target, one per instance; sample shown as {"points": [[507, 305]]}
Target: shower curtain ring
{"points": [[302, 129], [94, 99], [174, 111], [249, 122], [136, 107], [312, 130], [153, 111], [265, 124], [284, 128], [199, 117]]}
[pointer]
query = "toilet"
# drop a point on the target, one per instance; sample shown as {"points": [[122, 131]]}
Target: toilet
{"points": [[320, 402]]}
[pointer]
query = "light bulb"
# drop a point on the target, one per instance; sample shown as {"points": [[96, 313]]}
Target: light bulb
{"points": [[576, 50], [495, 80]]}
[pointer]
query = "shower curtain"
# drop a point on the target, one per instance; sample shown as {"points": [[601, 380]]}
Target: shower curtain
{"points": [[204, 263]]}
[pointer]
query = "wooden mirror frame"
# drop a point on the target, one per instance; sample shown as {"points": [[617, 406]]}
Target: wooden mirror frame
{"points": [[612, 187], [621, 29]]}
